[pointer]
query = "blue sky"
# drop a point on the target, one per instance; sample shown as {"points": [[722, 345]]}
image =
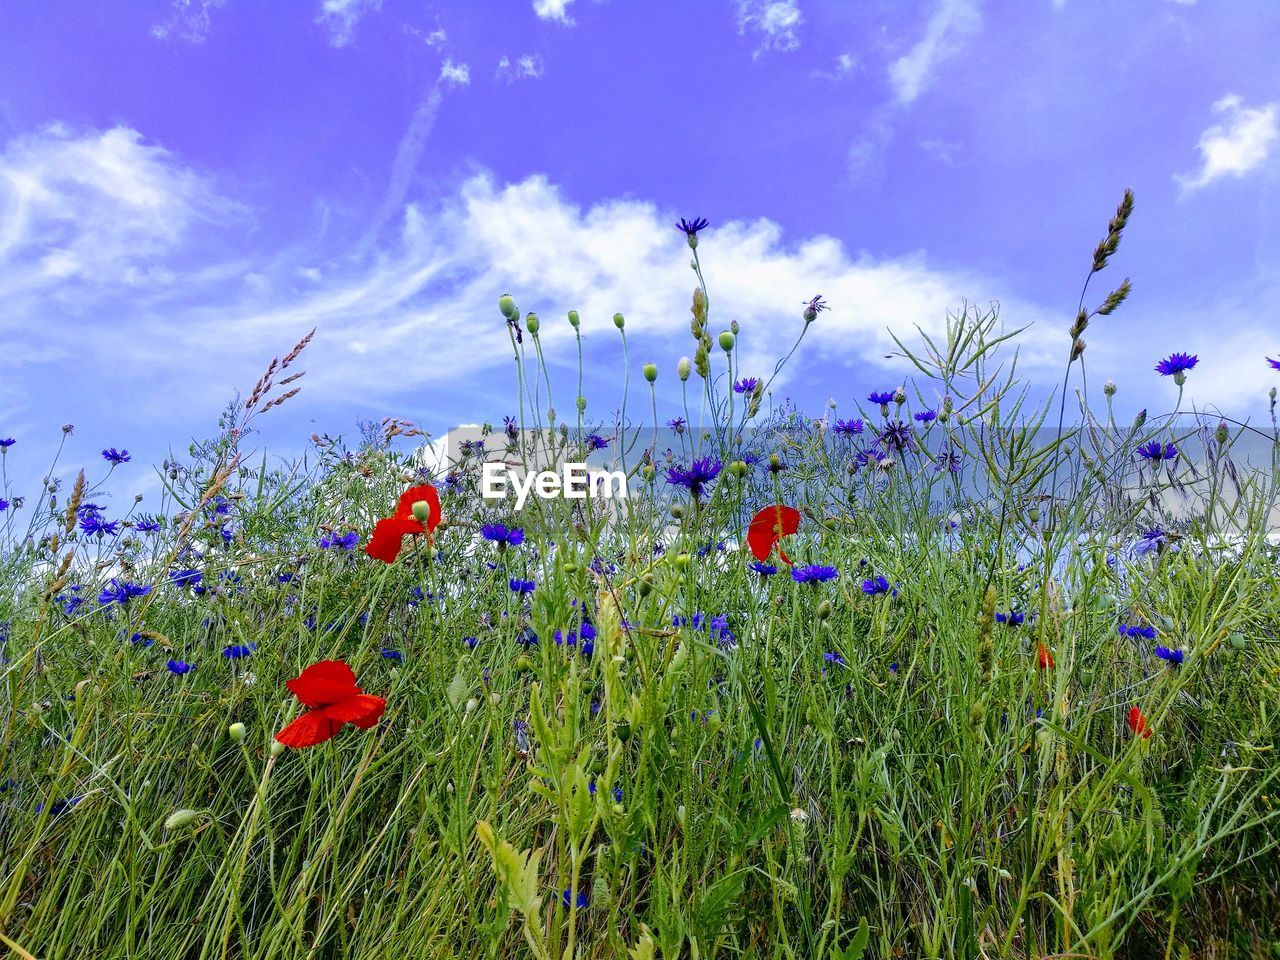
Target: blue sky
{"points": [[187, 187]]}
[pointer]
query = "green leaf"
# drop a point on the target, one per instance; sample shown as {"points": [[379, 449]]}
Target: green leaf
{"points": [[858, 945]]}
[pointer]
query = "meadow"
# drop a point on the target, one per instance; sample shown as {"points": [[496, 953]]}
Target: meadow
{"points": [[945, 671]]}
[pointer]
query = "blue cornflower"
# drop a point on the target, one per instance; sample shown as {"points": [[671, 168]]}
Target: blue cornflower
{"points": [[527, 638], [896, 436], [876, 585], [894, 668], [568, 897], [1176, 364], [470, 642], [59, 807], [121, 592], [593, 441], [238, 651], [389, 654], [1013, 618], [521, 586], [677, 424], [500, 534], [881, 397], [746, 385], [340, 541], [4, 505], [92, 521], [179, 667], [116, 457], [1174, 656], [949, 461], [147, 526], [691, 227], [815, 573], [847, 428], [1150, 540], [185, 578], [834, 658], [764, 569], [141, 640], [926, 416], [697, 475], [1136, 631], [69, 600], [7, 442], [1275, 365], [1155, 452]]}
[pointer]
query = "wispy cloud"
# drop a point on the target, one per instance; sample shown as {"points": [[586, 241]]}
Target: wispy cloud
{"points": [[341, 17], [526, 67], [455, 74], [553, 10], [189, 20], [952, 22], [843, 65], [774, 22], [1242, 142]]}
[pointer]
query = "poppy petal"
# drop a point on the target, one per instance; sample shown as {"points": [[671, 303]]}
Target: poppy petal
{"points": [[424, 492], [324, 683], [769, 526], [385, 541], [309, 729], [364, 710]]}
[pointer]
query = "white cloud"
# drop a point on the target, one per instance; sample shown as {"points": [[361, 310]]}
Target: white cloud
{"points": [[190, 20], [526, 67], [1241, 143], [98, 208], [942, 150], [944, 34], [455, 74], [774, 21], [341, 17], [553, 10], [843, 65]]}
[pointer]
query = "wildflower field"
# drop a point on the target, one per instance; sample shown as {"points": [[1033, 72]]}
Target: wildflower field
{"points": [[947, 670]]}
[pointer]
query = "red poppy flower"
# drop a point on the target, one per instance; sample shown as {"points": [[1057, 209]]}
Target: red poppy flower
{"points": [[1138, 723], [388, 534], [1044, 657], [768, 527], [329, 689]]}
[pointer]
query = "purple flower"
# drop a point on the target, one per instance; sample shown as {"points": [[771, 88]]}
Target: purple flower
{"points": [[848, 428], [501, 534], [1176, 363], [691, 227], [1012, 618], [882, 397], [568, 897], [179, 667], [121, 592], [116, 457], [815, 573], [4, 505], [1173, 657], [470, 642], [876, 585], [1275, 365], [389, 654], [948, 461], [764, 569], [1154, 452], [593, 441], [677, 424], [1136, 631], [521, 586], [340, 541], [185, 578], [1150, 540], [238, 651], [834, 658], [746, 385], [926, 416], [697, 475], [7, 442], [896, 436]]}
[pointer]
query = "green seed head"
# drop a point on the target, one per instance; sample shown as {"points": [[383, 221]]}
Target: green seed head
{"points": [[574, 319], [237, 732], [507, 304], [726, 341], [651, 372], [619, 321], [683, 368], [421, 511], [532, 322]]}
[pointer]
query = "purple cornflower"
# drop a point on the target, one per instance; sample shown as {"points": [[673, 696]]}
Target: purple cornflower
{"points": [[815, 573], [7, 442], [185, 578], [1012, 618], [593, 441], [121, 592], [881, 397], [1150, 540], [521, 586], [568, 897], [238, 651], [926, 416], [4, 505], [389, 654], [813, 307], [340, 541], [1275, 365], [92, 521], [1173, 657], [847, 428], [949, 461], [876, 585], [691, 227], [116, 457], [147, 526], [677, 424], [834, 658], [470, 642], [1155, 452], [746, 385], [697, 475], [179, 667], [1176, 364], [1136, 631], [764, 569], [502, 535], [896, 436]]}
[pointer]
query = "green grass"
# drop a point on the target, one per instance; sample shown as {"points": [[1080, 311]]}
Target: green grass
{"points": [[773, 803]]}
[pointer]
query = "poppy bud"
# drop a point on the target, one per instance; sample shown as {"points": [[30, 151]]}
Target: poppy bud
{"points": [[619, 321], [677, 512], [574, 319], [682, 369], [532, 322], [622, 731], [582, 404], [237, 732], [726, 341], [277, 748], [738, 469], [179, 818], [507, 304], [421, 510], [1109, 388], [825, 609], [651, 372]]}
